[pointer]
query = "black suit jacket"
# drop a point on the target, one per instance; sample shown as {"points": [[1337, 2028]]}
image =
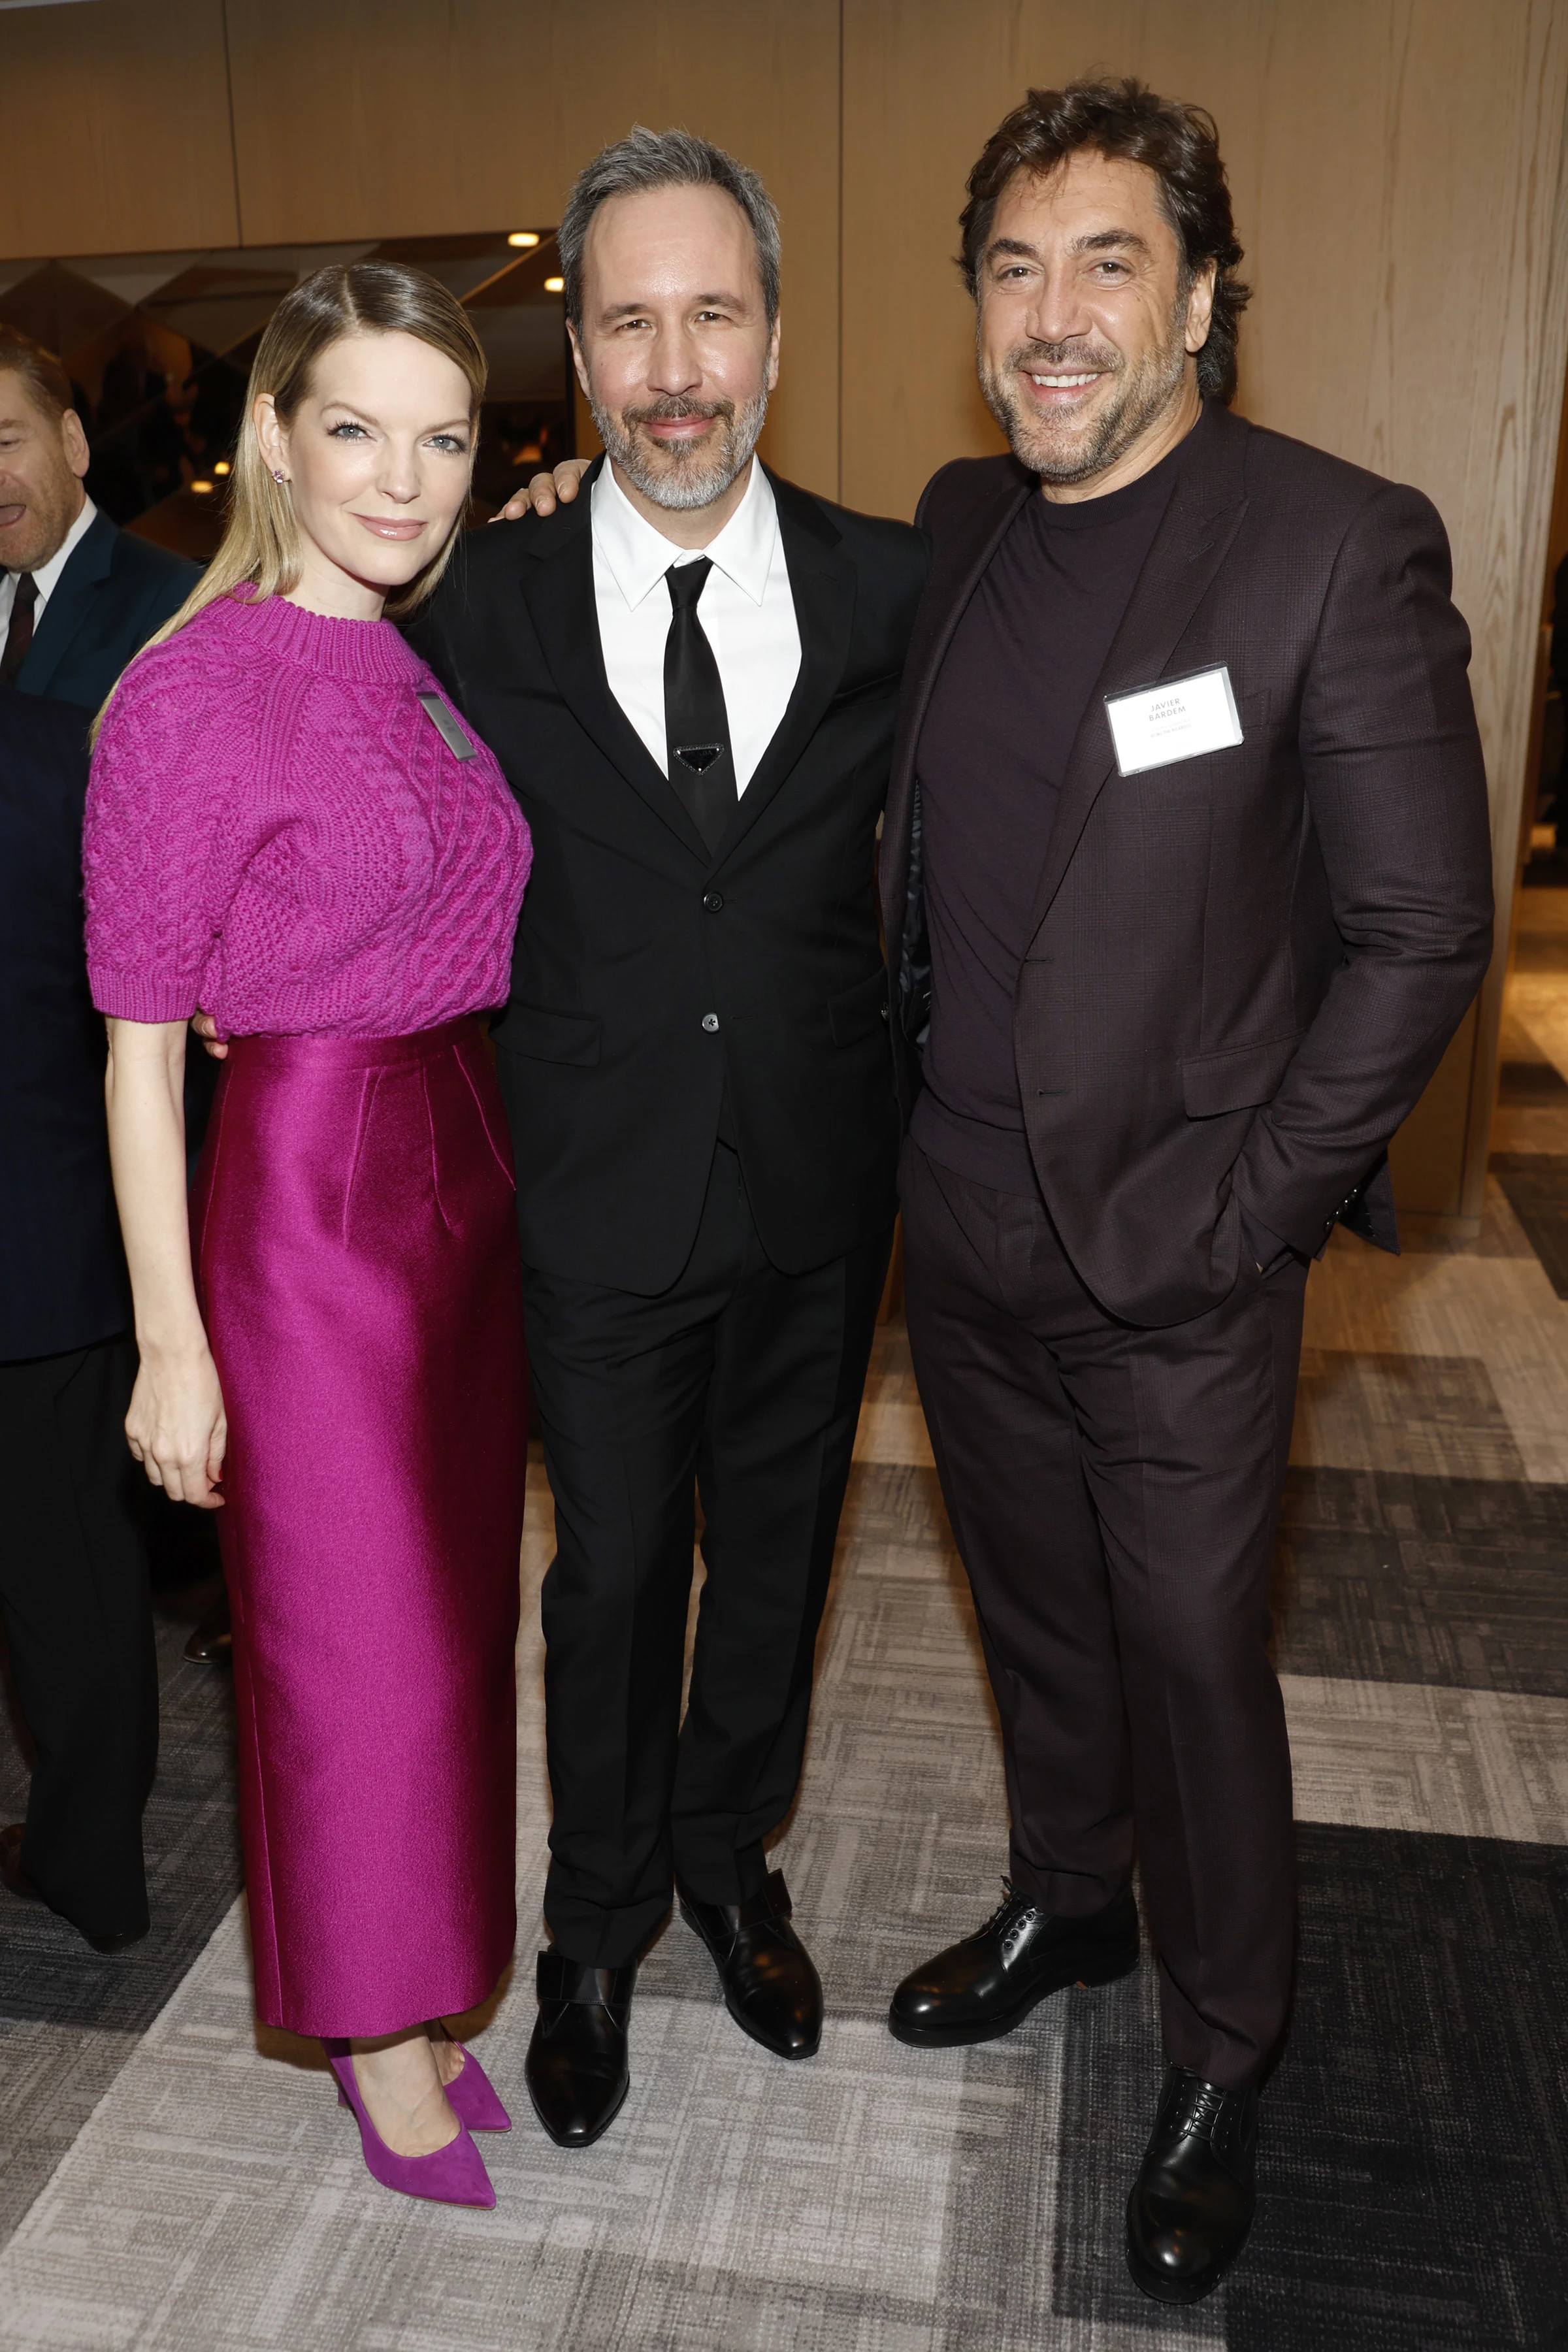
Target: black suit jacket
{"points": [[114, 591], [62, 1278], [1245, 966], [646, 970]]}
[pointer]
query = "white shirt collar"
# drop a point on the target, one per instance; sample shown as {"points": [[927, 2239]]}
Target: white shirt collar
{"points": [[48, 575], [638, 556]]}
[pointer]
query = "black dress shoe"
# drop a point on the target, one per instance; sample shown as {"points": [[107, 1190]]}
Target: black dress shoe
{"points": [[771, 1989], [577, 2073], [989, 1983], [1191, 2205], [14, 1876], [212, 1639]]}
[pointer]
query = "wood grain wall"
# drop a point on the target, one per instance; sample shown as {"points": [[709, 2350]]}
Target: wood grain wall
{"points": [[114, 128], [415, 118], [1397, 165]]}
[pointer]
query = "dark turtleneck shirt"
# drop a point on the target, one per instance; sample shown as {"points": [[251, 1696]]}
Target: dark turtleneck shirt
{"points": [[1009, 701]]}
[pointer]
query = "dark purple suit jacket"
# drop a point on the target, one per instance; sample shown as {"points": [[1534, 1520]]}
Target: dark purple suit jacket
{"points": [[1243, 966]]}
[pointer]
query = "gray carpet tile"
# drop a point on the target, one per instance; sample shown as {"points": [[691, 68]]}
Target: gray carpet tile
{"points": [[1413, 2155], [1536, 1183], [1530, 1080], [68, 2015], [1382, 1575], [1437, 1414]]}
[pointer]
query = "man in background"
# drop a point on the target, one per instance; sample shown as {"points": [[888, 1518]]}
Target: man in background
{"points": [[78, 596], [73, 1572]]}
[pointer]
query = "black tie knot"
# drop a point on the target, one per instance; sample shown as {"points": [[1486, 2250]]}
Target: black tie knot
{"points": [[687, 581]]}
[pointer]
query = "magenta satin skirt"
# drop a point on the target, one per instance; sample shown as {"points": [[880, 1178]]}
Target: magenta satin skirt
{"points": [[357, 1258]]}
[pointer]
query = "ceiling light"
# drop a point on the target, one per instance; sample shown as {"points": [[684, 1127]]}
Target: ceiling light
{"points": [[525, 238], [556, 286], [222, 465], [201, 489]]}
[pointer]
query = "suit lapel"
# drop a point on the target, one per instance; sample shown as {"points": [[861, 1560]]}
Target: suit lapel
{"points": [[558, 588], [1194, 535], [822, 583], [70, 605]]}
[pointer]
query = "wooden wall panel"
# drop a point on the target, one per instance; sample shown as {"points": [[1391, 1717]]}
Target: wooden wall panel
{"points": [[116, 133], [413, 118], [1395, 166]]}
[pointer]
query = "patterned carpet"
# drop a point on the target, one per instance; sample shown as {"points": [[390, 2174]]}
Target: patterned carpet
{"points": [[170, 2178]]}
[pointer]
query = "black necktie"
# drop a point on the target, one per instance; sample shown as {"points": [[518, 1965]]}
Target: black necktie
{"points": [[20, 634], [696, 723]]}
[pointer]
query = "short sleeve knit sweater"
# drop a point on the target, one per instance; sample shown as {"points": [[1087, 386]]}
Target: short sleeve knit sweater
{"points": [[276, 831]]}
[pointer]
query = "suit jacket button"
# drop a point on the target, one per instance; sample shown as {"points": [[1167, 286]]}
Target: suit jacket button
{"points": [[713, 901], [709, 1021]]}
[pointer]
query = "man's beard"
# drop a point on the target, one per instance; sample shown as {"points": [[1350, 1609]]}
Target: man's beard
{"points": [[682, 475], [1057, 453]]}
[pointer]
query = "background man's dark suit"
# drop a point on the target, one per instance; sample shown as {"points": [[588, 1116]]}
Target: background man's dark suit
{"points": [[115, 591], [1244, 967], [650, 976], [73, 1577]]}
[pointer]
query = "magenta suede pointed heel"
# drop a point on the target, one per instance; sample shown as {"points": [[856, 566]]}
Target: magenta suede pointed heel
{"points": [[454, 2174], [471, 2097]]}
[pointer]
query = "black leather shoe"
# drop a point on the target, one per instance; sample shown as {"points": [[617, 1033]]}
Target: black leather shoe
{"points": [[577, 2072], [771, 1989], [212, 1639], [14, 1876], [989, 1984], [1191, 2205]]}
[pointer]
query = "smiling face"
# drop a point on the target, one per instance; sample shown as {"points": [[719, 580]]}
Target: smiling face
{"points": [[1087, 324], [42, 461], [377, 456], [675, 351]]}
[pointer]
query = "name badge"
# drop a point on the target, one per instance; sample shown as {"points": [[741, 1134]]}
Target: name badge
{"points": [[446, 727], [1177, 719]]}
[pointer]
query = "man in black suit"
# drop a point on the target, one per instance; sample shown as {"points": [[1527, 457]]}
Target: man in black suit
{"points": [[690, 676], [73, 1574], [78, 596], [1186, 882]]}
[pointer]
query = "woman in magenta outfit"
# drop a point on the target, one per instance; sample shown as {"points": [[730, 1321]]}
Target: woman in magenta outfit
{"points": [[288, 827]]}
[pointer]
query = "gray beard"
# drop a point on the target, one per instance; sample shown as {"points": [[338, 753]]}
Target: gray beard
{"points": [[1140, 398], [686, 479]]}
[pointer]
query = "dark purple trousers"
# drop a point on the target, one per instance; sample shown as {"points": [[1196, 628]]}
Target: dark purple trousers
{"points": [[1113, 1495]]}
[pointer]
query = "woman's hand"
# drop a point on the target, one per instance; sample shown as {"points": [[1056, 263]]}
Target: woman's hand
{"points": [[545, 490], [176, 1427]]}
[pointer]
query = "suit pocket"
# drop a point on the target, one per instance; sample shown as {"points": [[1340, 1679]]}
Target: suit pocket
{"points": [[888, 682], [543, 1036], [1238, 1079], [857, 1010]]}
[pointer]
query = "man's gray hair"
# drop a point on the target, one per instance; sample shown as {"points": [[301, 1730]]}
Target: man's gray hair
{"points": [[644, 160]]}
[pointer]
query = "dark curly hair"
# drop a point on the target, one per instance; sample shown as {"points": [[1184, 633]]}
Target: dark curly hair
{"points": [[1178, 144]]}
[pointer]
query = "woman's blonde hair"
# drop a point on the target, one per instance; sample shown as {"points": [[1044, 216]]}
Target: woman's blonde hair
{"points": [[260, 544]]}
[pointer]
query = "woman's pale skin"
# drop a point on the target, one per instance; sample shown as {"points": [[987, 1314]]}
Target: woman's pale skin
{"points": [[377, 459]]}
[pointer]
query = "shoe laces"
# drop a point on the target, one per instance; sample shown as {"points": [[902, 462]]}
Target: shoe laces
{"points": [[1012, 1912], [1196, 2112]]}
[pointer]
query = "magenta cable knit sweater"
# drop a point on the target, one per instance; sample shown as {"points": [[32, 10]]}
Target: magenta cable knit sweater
{"points": [[276, 831]]}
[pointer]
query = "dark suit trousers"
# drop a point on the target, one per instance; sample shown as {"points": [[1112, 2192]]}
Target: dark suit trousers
{"points": [[1113, 1493], [744, 1383], [73, 1595]]}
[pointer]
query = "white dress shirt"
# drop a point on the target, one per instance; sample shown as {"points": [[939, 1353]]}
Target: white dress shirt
{"points": [[46, 578], [746, 609]]}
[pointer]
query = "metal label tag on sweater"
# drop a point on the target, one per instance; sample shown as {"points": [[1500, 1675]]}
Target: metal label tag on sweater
{"points": [[1180, 718], [446, 727]]}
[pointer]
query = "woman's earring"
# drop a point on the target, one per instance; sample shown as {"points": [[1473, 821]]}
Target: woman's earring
{"points": [[277, 473]]}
